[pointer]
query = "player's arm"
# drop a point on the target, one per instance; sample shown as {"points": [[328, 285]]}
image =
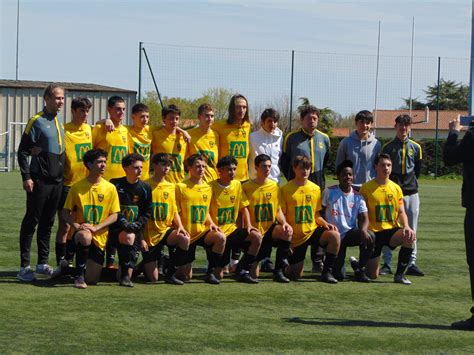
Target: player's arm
{"points": [[109, 125], [247, 224], [403, 219], [179, 225], [285, 158], [24, 151], [323, 223], [68, 217], [185, 134], [212, 226], [282, 221], [112, 218]]}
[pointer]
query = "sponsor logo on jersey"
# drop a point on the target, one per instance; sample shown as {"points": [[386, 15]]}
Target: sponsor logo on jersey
{"points": [[225, 215], [130, 212], [81, 149], [303, 214], [160, 211], [198, 214], [238, 149], [384, 213], [118, 152], [93, 214], [176, 162], [264, 212], [142, 149]]}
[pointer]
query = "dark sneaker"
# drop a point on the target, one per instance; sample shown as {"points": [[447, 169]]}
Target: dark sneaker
{"points": [[125, 281], [401, 279], [61, 270], [385, 270], [26, 275], [211, 279], [414, 270], [173, 280], [328, 278], [79, 282], [317, 266], [361, 276], [245, 277], [354, 263], [467, 324], [43, 271], [267, 266], [278, 276]]}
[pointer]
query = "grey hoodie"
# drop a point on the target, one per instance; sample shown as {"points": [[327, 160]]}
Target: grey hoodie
{"points": [[362, 154]]}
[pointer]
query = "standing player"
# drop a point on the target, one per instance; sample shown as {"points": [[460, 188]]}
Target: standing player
{"points": [[308, 141], [387, 219], [159, 230], [301, 204], [193, 197], [234, 134], [139, 136], [135, 206], [77, 141], [228, 200], [42, 180], [361, 148], [264, 207], [95, 204], [406, 159], [167, 140], [205, 141], [346, 209]]}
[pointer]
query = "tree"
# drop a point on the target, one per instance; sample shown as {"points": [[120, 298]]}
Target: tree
{"points": [[452, 96], [219, 98]]}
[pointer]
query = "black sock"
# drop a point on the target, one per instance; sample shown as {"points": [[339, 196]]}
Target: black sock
{"points": [[125, 258], [70, 250], [404, 256], [81, 258], [60, 252], [214, 260], [110, 255], [329, 262], [364, 256], [246, 262], [283, 249]]}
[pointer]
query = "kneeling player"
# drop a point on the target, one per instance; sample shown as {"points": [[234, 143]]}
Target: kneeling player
{"points": [[301, 204], [266, 215], [135, 205], [384, 200], [228, 199], [159, 230], [193, 197], [346, 209], [95, 204]]}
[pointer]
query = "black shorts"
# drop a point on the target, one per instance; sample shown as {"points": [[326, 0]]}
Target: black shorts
{"points": [[235, 241], [96, 254], [382, 239], [267, 244], [62, 199], [191, 253], [154, 253], [299, 253]]}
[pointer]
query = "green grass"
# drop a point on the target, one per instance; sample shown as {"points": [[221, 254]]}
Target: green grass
{"points": [[306, 316]]}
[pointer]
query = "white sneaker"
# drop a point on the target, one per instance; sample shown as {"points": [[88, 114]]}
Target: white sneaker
{"points": [[61, 269], [43, 271], [401, 279], [26, 274]]}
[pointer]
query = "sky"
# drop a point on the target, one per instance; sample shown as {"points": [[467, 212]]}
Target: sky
{"points": [[97, 42]]}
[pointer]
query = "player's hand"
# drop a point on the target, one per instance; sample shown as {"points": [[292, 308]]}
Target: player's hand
{"points": [[214, 228], [287, 228], [455, 125], [28, 185], [35, 151], [109, 125], [409, 234], [251, 229], [331, 227], [181, 230], [366, 240], [186, 136], [144, 245], [89, 227]]}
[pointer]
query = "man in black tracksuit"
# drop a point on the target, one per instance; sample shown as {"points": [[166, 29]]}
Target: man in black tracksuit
{"points": [[463, 152], [135, 209], [43, 140]]}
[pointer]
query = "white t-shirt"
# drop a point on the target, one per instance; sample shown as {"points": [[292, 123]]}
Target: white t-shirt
{"points": [[342, 209]]}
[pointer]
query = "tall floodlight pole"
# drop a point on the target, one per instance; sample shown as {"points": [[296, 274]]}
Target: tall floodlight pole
{"points": [[17, 35], [377, 80], [411, 62], [471, 81]]}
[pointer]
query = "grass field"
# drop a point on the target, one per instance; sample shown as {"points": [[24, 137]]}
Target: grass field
{"points": [[306, 316]]}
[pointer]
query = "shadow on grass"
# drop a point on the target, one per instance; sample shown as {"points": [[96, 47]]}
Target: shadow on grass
{"points": [[364, 323]]}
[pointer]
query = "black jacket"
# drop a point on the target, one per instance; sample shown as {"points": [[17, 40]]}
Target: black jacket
{"points": [[462, 152]]}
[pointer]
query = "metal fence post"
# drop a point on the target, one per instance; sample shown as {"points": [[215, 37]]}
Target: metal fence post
{"points": [[291, 86], [437, 118]]}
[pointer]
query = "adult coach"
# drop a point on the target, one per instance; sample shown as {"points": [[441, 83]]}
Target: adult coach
{"points": [[42, 181], [456, 152]]}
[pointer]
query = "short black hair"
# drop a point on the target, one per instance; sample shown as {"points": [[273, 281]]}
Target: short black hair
{"points": [[404, 118], [130, 158], [114, 100], [161, 158], [170, 109], [302, 160], [270, 112], [81, 102], [365, 116], [191, 159], [91, 155], [261, 158], [381, 156], [226, 161], [309, 109], [140, 108], [345, 164], [49, 90]]}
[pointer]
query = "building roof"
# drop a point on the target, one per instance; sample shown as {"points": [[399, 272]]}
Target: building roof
{"points": [[341, 131], [386, 118], [29, 84]]}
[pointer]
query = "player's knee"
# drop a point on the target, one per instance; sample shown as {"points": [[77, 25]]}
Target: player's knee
{"points": [[126, 238], [255, 238]]}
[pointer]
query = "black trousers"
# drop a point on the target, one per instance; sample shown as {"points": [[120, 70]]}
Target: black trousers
{"points": [[41, 206], [469, 239], [352, 239]]}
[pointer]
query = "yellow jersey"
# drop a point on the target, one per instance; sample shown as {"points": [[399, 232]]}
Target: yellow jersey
{"points": [[164, 208], [193, 202], [115, 143], [299, 204], [93, 203], [234, 140], [264, 201], [139, 141], [227, 201], [175, 146], [77, 141], [206, 144], [383, 203]]}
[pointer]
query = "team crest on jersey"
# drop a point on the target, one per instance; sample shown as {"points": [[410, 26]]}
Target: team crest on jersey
{"points": [[87, 135], [178, 146], [243, 132], [211, 144], [232, 199], [204, 197], [165, 195], [226, 192], [101, 197], [268, 195], [410, 152], [236, 133], [136, 198], [321, 145], [308, 198], [390, 197], [124, 139]]}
